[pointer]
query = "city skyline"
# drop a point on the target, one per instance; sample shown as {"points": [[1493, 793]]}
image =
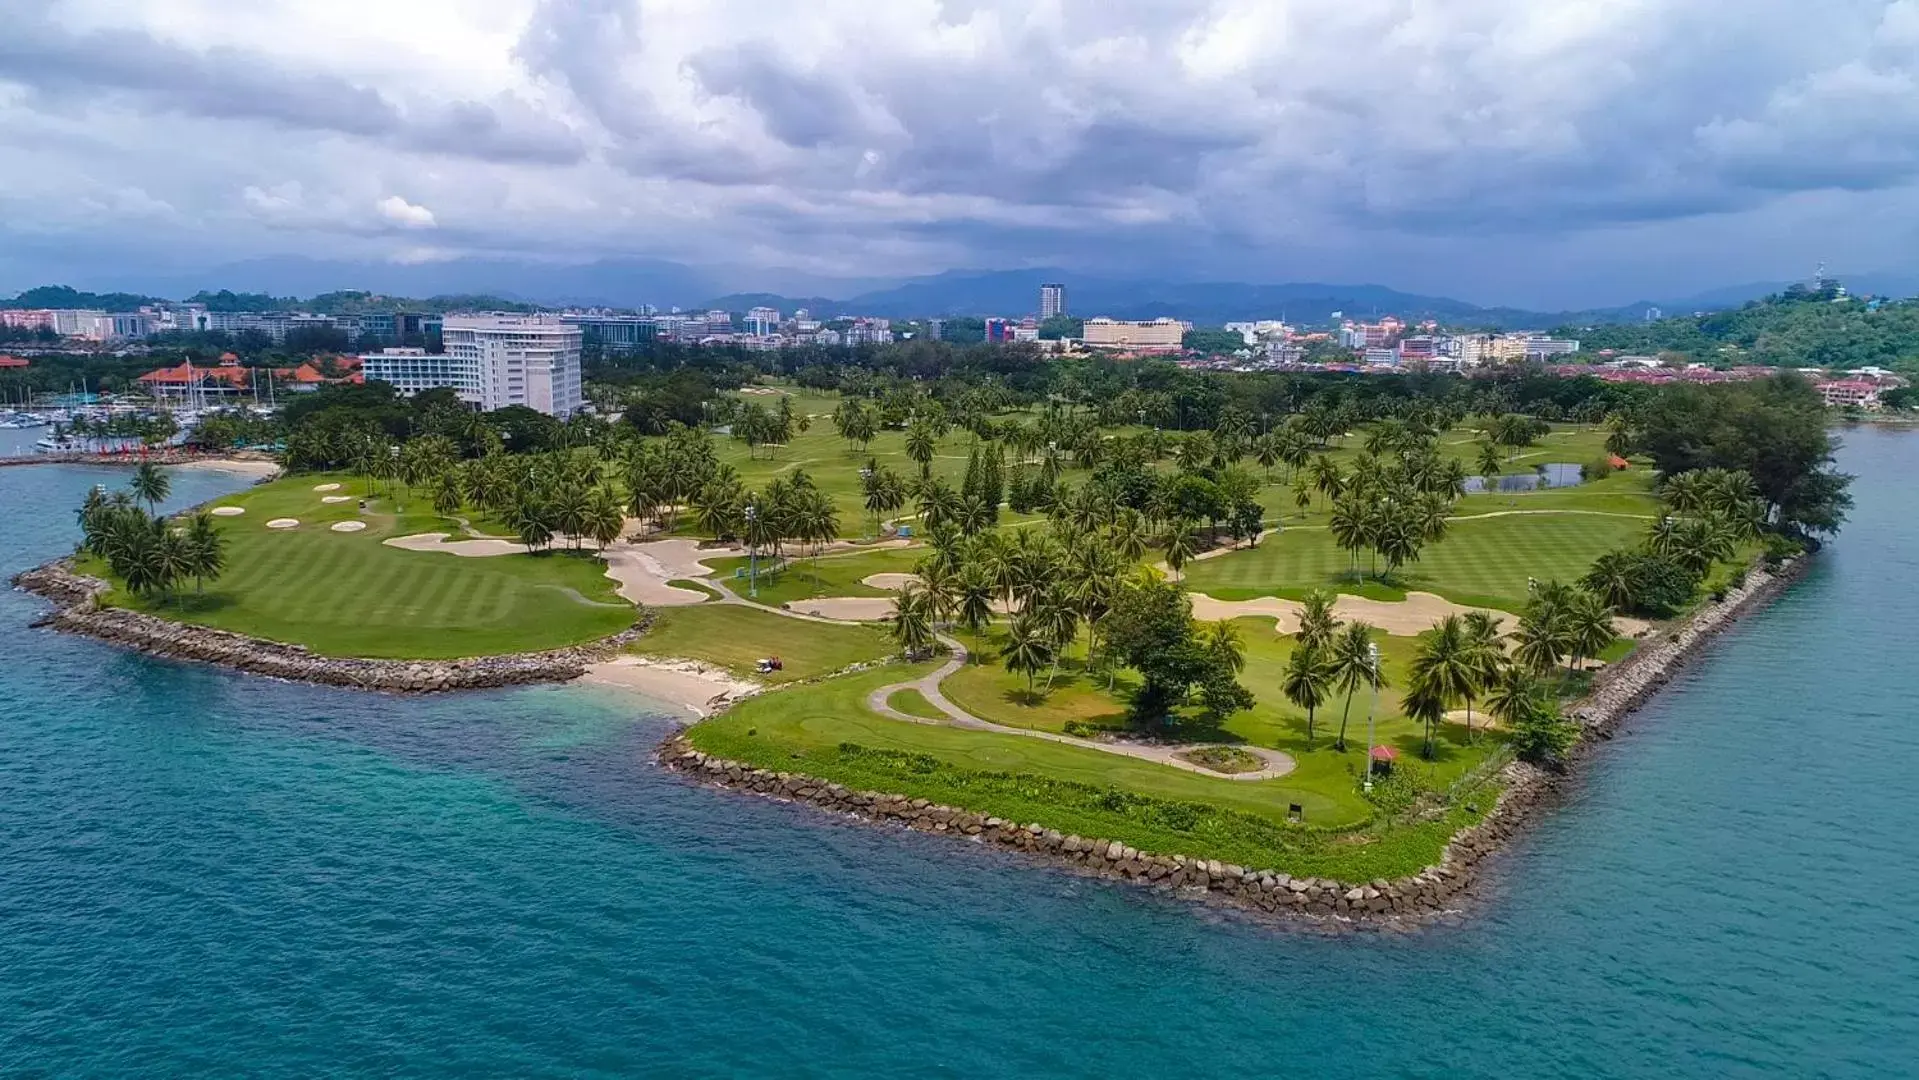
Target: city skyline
{"points": [[1653, 151]]}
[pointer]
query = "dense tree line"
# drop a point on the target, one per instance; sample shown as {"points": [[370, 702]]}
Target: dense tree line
{"points": [[150, 553], [1800, 327]]}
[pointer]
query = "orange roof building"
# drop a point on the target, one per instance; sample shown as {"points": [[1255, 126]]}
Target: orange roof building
{"points": [[13, 362], [227, 378]]}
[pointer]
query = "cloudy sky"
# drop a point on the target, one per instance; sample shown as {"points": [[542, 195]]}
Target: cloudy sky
{"points": [[1504, 151]]}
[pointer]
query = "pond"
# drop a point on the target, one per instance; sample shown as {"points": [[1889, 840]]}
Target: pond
{"points": [[1551, 475]]}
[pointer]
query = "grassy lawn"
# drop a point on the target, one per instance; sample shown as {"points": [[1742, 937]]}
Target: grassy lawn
{"points": [[913, 703], [1480, 562], [832, 575], [347, 594], [801, 730], [736, 637]]}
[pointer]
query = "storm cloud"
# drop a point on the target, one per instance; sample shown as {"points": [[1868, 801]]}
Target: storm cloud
{"points": [[1504, 150]]}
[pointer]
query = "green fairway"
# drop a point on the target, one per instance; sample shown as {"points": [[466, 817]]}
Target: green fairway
{"points": [[737, 637], [802, 731], [838, 574], [1482, 561], [913, 703], [347, 594]]}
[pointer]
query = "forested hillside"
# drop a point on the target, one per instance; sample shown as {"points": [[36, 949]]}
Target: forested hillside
{"points": [[1800, 327]]}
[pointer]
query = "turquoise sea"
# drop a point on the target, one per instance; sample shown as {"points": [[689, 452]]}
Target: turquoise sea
{"points": [[209, 874]]}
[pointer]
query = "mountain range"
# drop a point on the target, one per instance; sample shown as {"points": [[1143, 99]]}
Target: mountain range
{"points": [[628, 283]]}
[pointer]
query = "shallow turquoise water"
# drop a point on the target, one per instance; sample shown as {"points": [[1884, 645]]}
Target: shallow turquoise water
{"points": [[212, 874]]}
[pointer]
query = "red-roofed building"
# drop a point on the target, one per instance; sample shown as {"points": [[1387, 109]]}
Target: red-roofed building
{"points": [[12, 362], [188, 379], [300, 379]]}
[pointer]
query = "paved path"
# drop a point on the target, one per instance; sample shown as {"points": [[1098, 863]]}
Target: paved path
{"points": [[1277, 764]]}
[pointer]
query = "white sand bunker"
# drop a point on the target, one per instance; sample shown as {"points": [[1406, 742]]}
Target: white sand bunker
{"points": [[331, 499], [228, 511], [348, 526], [889, 582], [1414, 615], [284, 523], [326, 487], [471, 549], [847, 608], [643, 577]]}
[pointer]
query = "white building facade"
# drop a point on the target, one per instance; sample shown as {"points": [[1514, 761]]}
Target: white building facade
{"points": [[491, 362]]}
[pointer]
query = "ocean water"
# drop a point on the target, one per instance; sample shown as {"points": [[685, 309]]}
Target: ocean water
{"points": [[204, 873]]}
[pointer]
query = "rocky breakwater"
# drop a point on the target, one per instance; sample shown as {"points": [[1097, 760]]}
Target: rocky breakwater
{"points": [[1441, 888], [78, 611], [1617, 693], [1268, 891]]}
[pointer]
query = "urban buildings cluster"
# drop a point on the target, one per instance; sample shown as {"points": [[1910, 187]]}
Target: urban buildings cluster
{"points": [[109, 327], [763, 328]]}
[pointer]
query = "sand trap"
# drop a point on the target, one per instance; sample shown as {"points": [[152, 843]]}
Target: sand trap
{"points": [[889, 582], [471, 549], [348, 526], [227, 511], [1414, 615], [326, 487], [331, 499], [643, 577], [699, 689], [847, 608], [683, 558], [284, 523]]}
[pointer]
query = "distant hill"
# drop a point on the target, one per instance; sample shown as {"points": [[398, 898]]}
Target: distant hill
{"points": [[1016, 292]]}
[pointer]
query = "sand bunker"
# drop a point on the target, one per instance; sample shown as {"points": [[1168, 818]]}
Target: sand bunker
{"points": [[284, 523], [1414, 615], [326, 487], [331, 499], [889, 582], [643, 576], [471, 549], [228, 511], [348, 526], [846, 608]]}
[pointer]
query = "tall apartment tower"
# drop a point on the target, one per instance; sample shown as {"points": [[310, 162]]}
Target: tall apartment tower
{"points": [[1052, 300], [492, 361]]}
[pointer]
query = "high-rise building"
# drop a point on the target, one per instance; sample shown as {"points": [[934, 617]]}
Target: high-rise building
{"points": [[1052, 300], [491, 362], [1158, 335]]}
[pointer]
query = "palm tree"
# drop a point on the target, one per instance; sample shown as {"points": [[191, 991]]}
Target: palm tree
{"points": [[1615, 579], [1539, 640], [1350, 529], [913, 620], [1028, 648], [1317, 623], [1426, 704], [1222, 640], [1306, 682], [1589, 628], [605, 517], [1685, 492], [150, 485], [1326, 477], [973, 596], [1130, 534], [206, 550], [1488, 656], [1353, 667], [920, 445], [1489, 464], [1513, 697], [1180, 545], [1302, 492], [1446, 668]]}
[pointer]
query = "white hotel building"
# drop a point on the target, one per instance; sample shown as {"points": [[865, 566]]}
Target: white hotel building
{"points": [[491, 362]]}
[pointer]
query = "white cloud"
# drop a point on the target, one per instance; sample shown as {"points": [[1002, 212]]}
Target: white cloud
{"points": [[1309, 138], [406, 214]]}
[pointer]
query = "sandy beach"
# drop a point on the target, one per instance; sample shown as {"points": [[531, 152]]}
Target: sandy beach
{"points": [[243, 466], [688, 685]]}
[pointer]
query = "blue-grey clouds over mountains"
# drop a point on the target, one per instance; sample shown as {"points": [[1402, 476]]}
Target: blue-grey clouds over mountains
{"points": [[1511, 151]]}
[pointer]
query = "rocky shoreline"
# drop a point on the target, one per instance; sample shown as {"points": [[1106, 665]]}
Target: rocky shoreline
{"points": [[77, 610], [1435, 891]]}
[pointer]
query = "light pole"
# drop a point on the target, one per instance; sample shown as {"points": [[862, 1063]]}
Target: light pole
{"points": [[752, 514], [1372, 663]]}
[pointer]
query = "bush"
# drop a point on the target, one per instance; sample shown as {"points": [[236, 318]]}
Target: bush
{"points": [[1597, 469], [1544, 736], [1780, 548]]}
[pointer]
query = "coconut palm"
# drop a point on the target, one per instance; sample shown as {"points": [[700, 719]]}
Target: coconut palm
{"points": [[1222, 639], [1488, 657], [1352, 667], [1130, 535], [1588, 626], [1326, 478], [921, 443], [1686, 492], [1514, 697], [1302, 492], [605, 517], [1350, 528], [1307, 682], [150, 485], [973, 596], [206, 549], [1317, 624], [913, 620], [1425, 703], [1490, 462], [1539, 641], [1180, 545], [1028, 648]]}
